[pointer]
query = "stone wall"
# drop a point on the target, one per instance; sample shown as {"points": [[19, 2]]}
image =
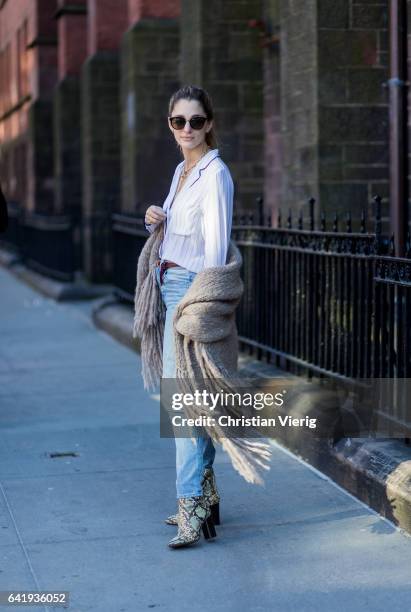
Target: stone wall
{"points": [[334, 104], [67, 142], [149, 73], [100, 114], [299, 103], [220, 52], [353, 103], [40, 193], [273, 138]]}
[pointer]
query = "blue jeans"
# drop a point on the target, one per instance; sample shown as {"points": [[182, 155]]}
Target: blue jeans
{"points": [[192, 455]]}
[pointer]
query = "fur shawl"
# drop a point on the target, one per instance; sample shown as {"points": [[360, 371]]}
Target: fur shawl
{"points": [[206, 341]]}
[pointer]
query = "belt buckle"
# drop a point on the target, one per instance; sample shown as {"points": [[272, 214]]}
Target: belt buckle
{"points": [[162, 270]]}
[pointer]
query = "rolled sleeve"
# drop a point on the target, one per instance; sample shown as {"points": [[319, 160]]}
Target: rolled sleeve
{"points": [[217, 209]]}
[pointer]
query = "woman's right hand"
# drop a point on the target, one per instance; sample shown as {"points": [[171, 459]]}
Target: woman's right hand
{"points": [[154, 214]]}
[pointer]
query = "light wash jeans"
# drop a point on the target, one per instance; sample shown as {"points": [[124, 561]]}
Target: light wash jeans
{"points": [[192, 457]]}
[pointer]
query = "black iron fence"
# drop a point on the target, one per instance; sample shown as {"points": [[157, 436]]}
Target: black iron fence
{"points": [[43, 242], [48, 245], [129, 236], [327, 301], [321, 301], [12, 235]]}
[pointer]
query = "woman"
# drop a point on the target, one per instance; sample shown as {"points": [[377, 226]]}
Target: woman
{"points": [[198, 217]]}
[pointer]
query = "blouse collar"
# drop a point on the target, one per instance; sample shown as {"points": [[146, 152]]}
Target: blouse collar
{"points": [[200, 166]]}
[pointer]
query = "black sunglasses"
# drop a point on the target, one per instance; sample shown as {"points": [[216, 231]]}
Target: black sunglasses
{"points": [[178, 123]]}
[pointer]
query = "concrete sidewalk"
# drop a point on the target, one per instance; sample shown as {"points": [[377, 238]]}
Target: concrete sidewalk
{"points": [[92, 523]]}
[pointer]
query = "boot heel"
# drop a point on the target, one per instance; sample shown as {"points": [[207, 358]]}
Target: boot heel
{"points": [[206, 532], [215, 513], [209, 529]]}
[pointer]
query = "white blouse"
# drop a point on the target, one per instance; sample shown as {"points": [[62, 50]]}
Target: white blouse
{"points": [[198, 224]]}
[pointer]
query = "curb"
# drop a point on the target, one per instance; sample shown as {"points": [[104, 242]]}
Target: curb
{"points": [[60, 291], [117, 320], [376, 471]]}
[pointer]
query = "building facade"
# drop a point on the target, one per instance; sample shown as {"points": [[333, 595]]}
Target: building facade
{"points": [[298, 89]]}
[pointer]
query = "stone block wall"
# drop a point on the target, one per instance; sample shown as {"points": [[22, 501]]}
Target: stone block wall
{"points": [[220, 52], [334, 58], [40, 193], [273, 140], [67, 141], [408, 12], [353, 104], [299, 103], [100, 114], [149, 73]]}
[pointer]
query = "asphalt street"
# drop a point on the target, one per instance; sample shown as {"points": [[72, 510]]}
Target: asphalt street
{"points": [[89, 519]]}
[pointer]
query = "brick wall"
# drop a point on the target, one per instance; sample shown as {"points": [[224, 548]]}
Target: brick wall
{"points": [[72, 31], [13, 125], [72, 36], [140, 9], [108, 20], [44, 49], [27, 176]]}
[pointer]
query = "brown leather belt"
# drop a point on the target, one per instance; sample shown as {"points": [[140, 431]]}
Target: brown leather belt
{"points": [[164, 265]]}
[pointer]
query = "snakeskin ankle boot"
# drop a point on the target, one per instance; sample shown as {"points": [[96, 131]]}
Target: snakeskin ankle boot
{"points": [[210, 492], [194, 515]]}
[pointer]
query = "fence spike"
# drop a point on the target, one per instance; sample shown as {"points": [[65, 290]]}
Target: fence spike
{"points": [[363, 218], [311, 203], [290, 219], [408, 244], [251, 218], [279, 218], [300, 220], [391, 248], [335, 222], [377, 225], [260, 207], [269, 219], [377, 205], [322, 222], [348, 224]]}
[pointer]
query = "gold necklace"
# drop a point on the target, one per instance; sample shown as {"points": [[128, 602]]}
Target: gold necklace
{"points": [[187, 170]]}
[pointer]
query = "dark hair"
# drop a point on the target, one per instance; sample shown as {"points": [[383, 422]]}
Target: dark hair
{"points": [[190, 92]]}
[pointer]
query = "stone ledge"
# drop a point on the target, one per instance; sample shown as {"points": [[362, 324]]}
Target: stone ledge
{"points": [[117, 320], [376, 471], [60, 291]]}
